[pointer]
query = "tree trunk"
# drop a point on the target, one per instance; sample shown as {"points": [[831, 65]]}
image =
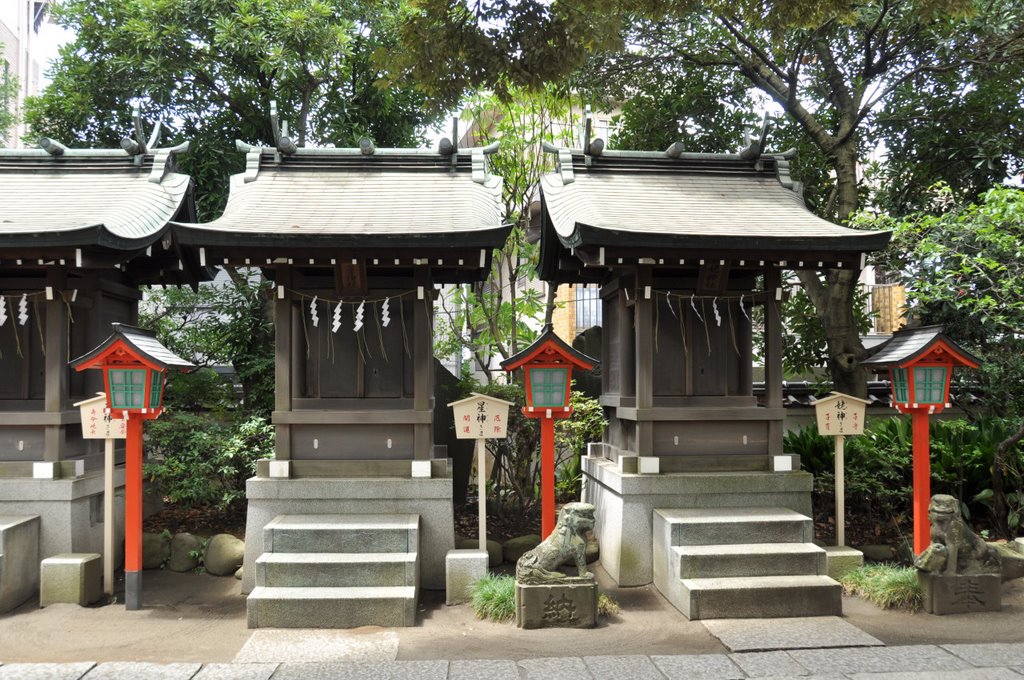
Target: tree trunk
{"points": [[833, 297], [1000, 513]]}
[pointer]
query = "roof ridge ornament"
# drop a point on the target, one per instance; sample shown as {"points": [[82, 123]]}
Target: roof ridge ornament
{"points": [[282, 140], [755, 144], [565, 170], [163, 161], [478, 156], [139, 146]]}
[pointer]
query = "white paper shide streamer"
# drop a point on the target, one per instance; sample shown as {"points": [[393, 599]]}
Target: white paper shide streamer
{"points": [[385, 317], [312, 313], [23, 310], [358, 325], [714, 308], [3, 310], [337, 318]]}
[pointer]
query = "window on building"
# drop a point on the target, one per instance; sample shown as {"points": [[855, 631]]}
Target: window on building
{"points": [[588, 307]]}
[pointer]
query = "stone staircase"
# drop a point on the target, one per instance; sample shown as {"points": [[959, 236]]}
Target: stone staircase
{"points": [[337, 571], [731, 563]]}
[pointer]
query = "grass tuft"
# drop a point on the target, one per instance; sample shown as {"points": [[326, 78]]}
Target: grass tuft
{"points": [[885, 586], [494, 597], [606, 606]]}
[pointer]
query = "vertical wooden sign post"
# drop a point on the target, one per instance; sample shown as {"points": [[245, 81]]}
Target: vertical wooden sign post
{"points": [[547, 365], [840, 415], [98, 424], [481, 417], [134, 366]]}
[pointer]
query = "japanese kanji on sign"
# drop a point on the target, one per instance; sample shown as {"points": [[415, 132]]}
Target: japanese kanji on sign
{"points": [[481, 417], [839, 415]]}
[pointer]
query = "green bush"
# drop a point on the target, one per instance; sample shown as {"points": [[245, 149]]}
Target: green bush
{"points": [[885, 585], [197, 460], [571, 438], [494, 597]]}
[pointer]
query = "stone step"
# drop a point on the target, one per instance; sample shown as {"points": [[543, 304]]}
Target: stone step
{"points": [[722, 526], [320, 570], [331, 607], [342, 534], [760, 597], [749, 559]]}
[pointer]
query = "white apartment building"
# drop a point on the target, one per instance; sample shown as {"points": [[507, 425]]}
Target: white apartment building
{"points": [[21, 56]]}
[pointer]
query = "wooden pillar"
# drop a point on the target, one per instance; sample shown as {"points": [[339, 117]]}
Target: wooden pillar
{"points": [[773, 355], [423, 362], [56, 362], [133, 514], [283, 359], [922, 481], [643, 357]]}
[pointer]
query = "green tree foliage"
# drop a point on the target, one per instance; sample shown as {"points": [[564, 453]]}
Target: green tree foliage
{"points": [[8, 101], [223, 324], [829, 65], [210, 69], [498, 316], [963, 267]]}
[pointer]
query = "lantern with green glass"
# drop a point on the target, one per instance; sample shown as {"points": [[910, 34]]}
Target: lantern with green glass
{"points": [[134, 366], [548, 365], [920, 363]]}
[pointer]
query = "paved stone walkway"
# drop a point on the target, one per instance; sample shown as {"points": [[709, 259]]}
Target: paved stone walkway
{"points": [[995, 661]]}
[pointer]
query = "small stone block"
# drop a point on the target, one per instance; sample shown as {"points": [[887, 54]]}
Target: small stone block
{"points": [[960, 594], [279, 469], [421, 468], [45, 470], [841, 560], [782, 463], [463, 568], [649, 465], [628, 465], [1018, 545], [568, 604], [76, 578]]}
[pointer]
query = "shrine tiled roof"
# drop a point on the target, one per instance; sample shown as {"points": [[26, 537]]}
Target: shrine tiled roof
{"points": [[690, 202], [352, 198], [88, 197]]}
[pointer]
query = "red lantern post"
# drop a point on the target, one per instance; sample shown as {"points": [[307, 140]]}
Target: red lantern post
{"points": [[920, 363], [134, 366], [548, 365]]}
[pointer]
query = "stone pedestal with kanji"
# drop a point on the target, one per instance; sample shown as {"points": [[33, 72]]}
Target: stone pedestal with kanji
{"points": [[569, 604], [960, 594]]}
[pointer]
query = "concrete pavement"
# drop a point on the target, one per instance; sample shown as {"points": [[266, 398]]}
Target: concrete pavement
{"points": [[986, 661]]}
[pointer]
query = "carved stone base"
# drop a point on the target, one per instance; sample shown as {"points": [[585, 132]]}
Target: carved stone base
{"points": [[954, 594], [571, 604]]}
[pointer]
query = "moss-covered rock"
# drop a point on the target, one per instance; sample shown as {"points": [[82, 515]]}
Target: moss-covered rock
{"points": [[224, 555], [494, 551], [185, 551], [156, 549], [513, 548]]}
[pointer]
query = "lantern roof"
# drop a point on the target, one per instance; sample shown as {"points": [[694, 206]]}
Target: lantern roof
{"points": [[141, 343], [910, 346], [547, 343], [476, 397]]}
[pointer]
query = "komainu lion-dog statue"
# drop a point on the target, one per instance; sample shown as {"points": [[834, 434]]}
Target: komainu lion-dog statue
{"points": [[567, 541], [955, 549]]}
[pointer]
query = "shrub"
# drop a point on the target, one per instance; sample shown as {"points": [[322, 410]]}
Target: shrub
{"points": [[885, 585], [198, 460], [494, 597]]}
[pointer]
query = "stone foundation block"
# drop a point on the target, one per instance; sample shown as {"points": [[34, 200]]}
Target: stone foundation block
{"points": [[569, 604], [463, 568], [71, 577], [840, 560], [956, 594], [19, 557]]}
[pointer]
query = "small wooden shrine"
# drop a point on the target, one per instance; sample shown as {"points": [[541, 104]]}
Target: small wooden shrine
{"points": [[357, 241], [80, 229], [683, 247]]}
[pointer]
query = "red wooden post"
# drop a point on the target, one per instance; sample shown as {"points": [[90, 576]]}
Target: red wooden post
{"points": [[547, 476], [133, 514], [922, 482]]}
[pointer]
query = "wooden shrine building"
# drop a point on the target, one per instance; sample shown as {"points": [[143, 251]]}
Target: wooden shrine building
{"points": [[80, 229], [683, 247], [356, 241]]}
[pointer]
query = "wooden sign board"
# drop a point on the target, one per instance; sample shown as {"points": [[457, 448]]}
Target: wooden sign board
{"points": [[97, 423], [481, 417], [840, 414]]}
